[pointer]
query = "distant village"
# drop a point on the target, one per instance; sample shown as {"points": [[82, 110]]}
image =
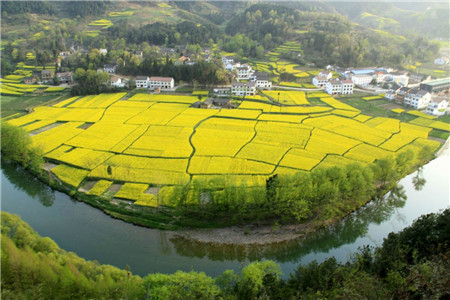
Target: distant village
{"points": [[405, 88]]}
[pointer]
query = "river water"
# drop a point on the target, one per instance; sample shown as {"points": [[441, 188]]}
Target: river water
{"points": [[93, 235]]}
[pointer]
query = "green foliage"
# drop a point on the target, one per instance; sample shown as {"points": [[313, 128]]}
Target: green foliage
{"points": [[410, 264], [17, 146]]}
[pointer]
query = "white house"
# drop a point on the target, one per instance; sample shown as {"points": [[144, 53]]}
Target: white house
{"points": [[142, 82], [362, 79], [243, 88], [334, 87], [441, 60], [117, 82], [244, 72], [417, 98], [437, 106], [262, 80], [320, 81], [326, 73], [164, 83], [110, 68]]}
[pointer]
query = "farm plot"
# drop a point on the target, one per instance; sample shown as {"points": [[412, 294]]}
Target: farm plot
{"points": [[159, 141], [288, 97]]}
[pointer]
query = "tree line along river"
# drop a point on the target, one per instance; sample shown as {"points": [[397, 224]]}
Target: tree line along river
{"points": [[93, 235]]}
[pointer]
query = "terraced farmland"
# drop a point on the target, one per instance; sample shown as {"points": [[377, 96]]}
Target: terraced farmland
{"points": [[140, 149]]}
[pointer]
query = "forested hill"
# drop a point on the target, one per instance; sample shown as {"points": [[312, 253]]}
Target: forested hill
{"points": [[328, 33], [411, 264]]}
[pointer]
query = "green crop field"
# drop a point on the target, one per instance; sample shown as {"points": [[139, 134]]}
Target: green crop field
{"points": [[150, 143]]}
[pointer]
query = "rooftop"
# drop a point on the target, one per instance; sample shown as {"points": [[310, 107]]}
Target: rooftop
{"points": [[438, 82], [156, 78]]}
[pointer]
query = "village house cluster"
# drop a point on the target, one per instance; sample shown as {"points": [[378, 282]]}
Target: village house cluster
{"points": [[333, 86], [429, 96]]}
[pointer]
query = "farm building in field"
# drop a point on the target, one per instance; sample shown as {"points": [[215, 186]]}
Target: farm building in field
{"points": [[243, 88], [222, 92], [29, 80], [417, 98], [437, 106], [214, 103], [436, 85], [65, 77], [164, 83], [142, 82]]}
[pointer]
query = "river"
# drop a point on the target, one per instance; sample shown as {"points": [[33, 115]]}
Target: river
{"points": [[91, 234]]}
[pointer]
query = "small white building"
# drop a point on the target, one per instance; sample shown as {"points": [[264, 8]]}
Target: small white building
{"points": [[362, 79], [437, 106], [142, 82], [164, 83], [110, 68], [417, 98], [320, 81], [117, 82], [227, 60], [390, 95], [400, 78], [244, 72], [441, 61], [262, 80], [103, 51], [243, 88], [326, 73]]}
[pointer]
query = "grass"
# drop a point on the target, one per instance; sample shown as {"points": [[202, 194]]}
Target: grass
{"points": [[17, 104], [439, 134]]}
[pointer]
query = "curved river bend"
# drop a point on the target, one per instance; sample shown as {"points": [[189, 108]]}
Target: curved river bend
{"points": [[93, 235]]}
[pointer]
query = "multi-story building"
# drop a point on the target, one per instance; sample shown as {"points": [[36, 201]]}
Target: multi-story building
{"points": [[320, 81], [47, 75], [243, 88], [339, 87], [244, 72], [142, 82], [438, 106], [334, 87], [400, 95], [227, 60], [65, 77], [417, 98], [164, 83], [262, 80], [362, 79], [347, 87]]}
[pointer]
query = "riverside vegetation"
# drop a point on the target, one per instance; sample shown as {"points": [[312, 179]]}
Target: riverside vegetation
{"points": [[410, 264], [152, 160]]}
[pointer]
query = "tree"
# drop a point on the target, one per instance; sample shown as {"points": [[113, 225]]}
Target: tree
{"points": [[16, 145]]}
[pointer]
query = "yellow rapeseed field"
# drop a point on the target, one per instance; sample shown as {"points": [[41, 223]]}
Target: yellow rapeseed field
{"points": [[156, 142]]}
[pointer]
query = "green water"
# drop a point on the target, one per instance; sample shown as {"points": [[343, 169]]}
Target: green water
{"points": [[93, 235]]}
